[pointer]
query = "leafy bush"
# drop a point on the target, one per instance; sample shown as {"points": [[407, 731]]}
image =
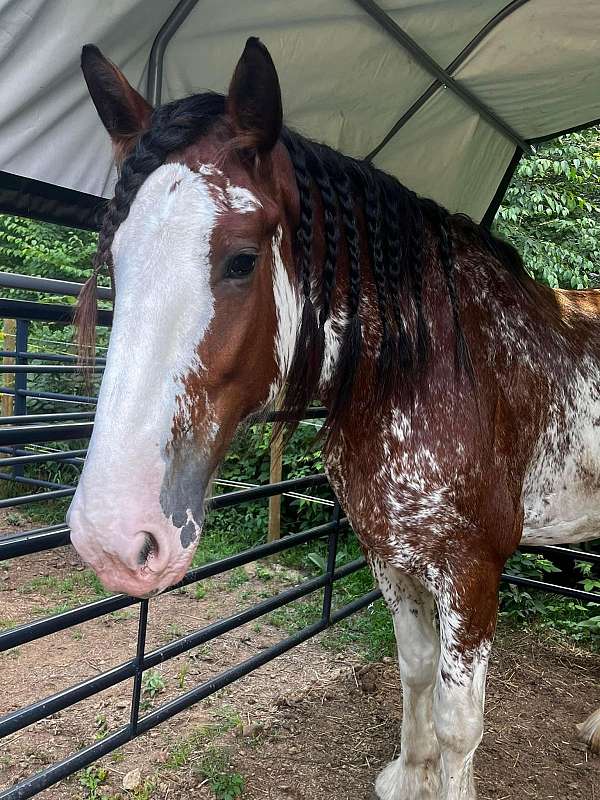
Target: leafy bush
{"points": [[45, 251], [559, 613], [551, 211]]}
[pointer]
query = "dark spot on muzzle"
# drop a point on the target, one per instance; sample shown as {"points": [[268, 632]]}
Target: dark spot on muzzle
{"points": [[183, 488], [188, 534]]}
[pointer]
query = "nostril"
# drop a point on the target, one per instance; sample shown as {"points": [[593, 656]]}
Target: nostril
{"points": [[149, 548]]}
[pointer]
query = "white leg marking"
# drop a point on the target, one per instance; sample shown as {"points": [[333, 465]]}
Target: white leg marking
{"points": [[458, 716], [415, 774]]}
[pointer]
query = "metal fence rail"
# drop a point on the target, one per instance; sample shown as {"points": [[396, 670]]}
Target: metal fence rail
{"points": [[23, 430]]}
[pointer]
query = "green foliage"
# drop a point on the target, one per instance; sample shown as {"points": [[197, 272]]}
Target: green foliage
{"points": [[555, 612], [233, 529], [73, 589], [153, 684], [92, 779], [248, 460], [101, 725], [49, 251], [551, 211], [216, 768], [45, 251], [517, 602]]}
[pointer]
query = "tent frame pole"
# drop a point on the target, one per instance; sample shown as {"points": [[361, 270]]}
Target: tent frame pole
{"points": [[157, 52], [445, 79]]}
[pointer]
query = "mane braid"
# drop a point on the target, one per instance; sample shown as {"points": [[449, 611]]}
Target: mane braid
{"points": [[307, 359], [321, 177], [373, 214], [351, 347], [397, 271]]}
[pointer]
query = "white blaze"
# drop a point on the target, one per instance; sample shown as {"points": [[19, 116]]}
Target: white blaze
{"points": [[163, 308]]}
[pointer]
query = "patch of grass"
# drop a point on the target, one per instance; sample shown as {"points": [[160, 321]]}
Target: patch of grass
{"points": [[77, 586], [263, 574], [227, 719], [237, 577], [50, 512], [5, 762], [59, 608], [6, 622], [369, 633], [153, 683], [200, 590], [145, 791], [101, 725], [174, 631], [13, 652], [181, 752], [181, 676], [199, 652], [229, 531], [297, 615], [121, 615], [92, 779], [216, 768]]}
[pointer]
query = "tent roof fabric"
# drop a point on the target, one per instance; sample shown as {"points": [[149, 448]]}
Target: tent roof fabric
{"points": [[441, 93]]}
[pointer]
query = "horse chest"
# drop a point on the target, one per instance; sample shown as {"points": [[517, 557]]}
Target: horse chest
{"points": [[395, 494], [562, 487]]}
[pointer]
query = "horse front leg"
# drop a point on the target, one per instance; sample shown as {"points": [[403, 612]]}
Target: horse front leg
{"points": [[415, 774], [467, 607]]}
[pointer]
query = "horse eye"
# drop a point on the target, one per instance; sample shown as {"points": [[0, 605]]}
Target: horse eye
{"points": [[241, 265]]}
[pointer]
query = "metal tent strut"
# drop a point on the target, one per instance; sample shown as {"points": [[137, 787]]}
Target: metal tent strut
{"points": [[157, 52], [442, 76]]}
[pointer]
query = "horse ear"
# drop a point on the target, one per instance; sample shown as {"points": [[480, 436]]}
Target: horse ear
{"points": [[254, 99], [123, 111]]}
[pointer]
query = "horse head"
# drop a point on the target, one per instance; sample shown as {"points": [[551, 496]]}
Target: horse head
{"points": [[198, 239]]}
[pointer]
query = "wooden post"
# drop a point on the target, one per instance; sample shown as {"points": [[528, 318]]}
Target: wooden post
{"points": [[8, 400], [275, 476]]}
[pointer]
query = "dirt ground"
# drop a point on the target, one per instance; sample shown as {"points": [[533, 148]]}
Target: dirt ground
{"points": [[312, 724]]}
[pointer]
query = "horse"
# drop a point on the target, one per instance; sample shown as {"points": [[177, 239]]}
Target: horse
{"points": [[251, 265]]}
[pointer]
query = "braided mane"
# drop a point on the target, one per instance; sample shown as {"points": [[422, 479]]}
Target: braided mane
{"points": [[394, 218]]}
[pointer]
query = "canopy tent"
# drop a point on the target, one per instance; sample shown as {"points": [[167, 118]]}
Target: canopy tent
{"points": [[444, 94]]}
